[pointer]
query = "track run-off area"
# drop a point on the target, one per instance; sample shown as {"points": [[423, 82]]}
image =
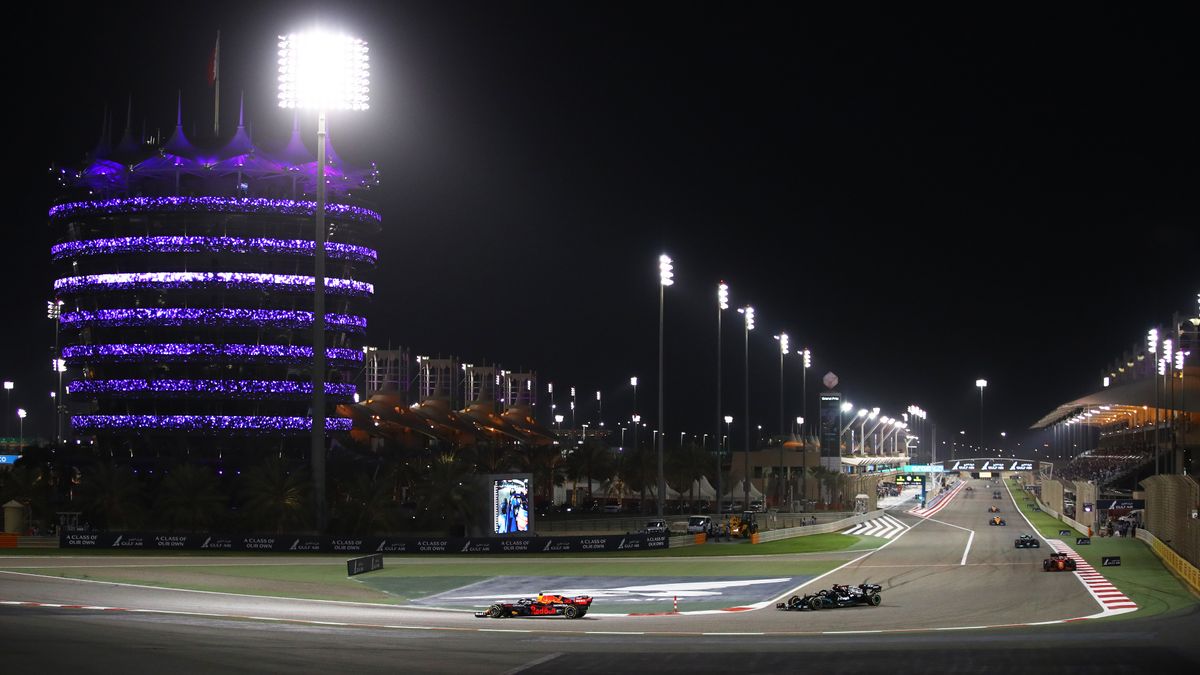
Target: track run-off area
{"points": [[944, 570]]}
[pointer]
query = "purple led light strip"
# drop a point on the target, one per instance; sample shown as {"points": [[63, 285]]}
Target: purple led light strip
{"points": [[287, 207], [185, 352], [230, 388], [202, 423], [230, 280], [253, 318], [183, 244]]}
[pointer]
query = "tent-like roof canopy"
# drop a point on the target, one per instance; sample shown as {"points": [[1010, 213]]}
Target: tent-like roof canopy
{"points": [[1127, 398]]}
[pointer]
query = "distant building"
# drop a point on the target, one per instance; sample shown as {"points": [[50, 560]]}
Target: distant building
{"points": [[186, 277]]}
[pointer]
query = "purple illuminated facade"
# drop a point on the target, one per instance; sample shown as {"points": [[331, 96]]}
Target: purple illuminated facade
{"points": [[186, 277]]}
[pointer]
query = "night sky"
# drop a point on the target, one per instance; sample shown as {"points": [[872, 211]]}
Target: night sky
{"points": [[921, 199]]}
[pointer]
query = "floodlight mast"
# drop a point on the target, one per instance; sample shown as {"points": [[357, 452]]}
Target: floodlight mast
{"points": [[319, 70]]}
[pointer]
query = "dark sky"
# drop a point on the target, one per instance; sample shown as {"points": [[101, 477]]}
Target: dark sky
{"points": [[923, 199]]}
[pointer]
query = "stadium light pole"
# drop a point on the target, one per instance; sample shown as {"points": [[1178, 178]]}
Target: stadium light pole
{"points": [[21, 421], [666, 277], [633, 383], [728, 432], [722, 305], [806, 355], [783, 350], [982, 384], [748, 325], [321, 71], [53, 312], [8, 387]]}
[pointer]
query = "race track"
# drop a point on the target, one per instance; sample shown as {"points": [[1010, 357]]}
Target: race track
{"points": [[946, 573]]}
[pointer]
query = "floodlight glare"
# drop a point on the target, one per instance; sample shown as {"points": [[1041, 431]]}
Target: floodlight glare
{"points": [[783, 343], [723, 295], [807, 359], [665, 276], [981, 383], [847, 407], [323, 71], [729, 419]]}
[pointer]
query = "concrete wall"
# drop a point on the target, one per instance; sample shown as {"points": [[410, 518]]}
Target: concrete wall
{"points": [[1052, 496], [1170, 502], [1086, 493]]}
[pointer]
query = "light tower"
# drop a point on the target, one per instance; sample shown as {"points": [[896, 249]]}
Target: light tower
{"points": [[321, 71]]}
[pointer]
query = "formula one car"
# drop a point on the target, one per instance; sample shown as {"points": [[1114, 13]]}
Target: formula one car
{"points": [[997, 520], [1026, 541], [545, 604], [993, 509], [1058, 562], [838, 596]]}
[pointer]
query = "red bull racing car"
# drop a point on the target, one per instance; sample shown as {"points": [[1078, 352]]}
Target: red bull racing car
{"points": [[545, 604]]}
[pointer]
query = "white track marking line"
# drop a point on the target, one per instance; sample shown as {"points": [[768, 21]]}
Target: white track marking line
{"points": [[1105, 610], [531, 664], [771, 602], [970, 539]]}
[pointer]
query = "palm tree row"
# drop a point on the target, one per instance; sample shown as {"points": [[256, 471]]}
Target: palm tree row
{"points": [[384, 491]]}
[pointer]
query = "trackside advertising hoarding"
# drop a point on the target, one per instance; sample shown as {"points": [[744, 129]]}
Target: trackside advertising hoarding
{"points": [[991, 465], [334, 544]]}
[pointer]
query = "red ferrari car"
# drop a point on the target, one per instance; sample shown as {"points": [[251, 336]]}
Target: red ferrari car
{"points": [[545, 604], [1058, 562]]}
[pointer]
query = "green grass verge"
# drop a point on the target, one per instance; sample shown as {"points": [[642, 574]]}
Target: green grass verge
{"points": [[1141, 575], [407, 578]]}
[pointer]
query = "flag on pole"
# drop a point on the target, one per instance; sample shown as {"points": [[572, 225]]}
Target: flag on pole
{"points": [[214, 81], [214, 62]]}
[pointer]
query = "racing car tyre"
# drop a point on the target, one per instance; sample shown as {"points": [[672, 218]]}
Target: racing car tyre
{"points": [[794, 602], [571, 612], [495, 611], [814, 602], [874, 599], [1045, 565]]}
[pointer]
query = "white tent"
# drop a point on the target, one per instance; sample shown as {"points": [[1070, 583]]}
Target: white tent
{"points": [[652, 492], [738, 491], [702, 489]]}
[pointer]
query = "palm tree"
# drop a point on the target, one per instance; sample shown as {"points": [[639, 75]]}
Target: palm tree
{"points": [[638, 469], [686, 465], [189, 498], [368, 506], [449, 492], [547, 464], [596, 460], [112, 495], [276, 499]]}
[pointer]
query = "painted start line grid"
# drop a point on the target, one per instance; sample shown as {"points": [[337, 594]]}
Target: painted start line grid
{"points": [[885, 526]]}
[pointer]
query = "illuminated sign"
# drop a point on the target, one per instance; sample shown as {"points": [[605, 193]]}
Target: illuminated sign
{"points": [[991, 465], [9, 459], [510, 505]]}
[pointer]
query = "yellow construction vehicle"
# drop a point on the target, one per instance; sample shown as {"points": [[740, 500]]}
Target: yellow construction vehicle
{"points": [[743, 525]]}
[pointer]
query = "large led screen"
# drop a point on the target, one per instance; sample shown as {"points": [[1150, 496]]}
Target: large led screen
{"points": [[510, 506]]}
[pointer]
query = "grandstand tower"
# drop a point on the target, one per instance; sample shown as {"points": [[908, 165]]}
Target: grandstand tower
{"points": [[186, 275]]}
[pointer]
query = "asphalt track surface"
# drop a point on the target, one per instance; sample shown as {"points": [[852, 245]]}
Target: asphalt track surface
{"points": [[957, 597]]}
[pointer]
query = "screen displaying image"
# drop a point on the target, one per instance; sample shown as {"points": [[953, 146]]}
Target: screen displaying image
{"points": [[510, 505]]}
